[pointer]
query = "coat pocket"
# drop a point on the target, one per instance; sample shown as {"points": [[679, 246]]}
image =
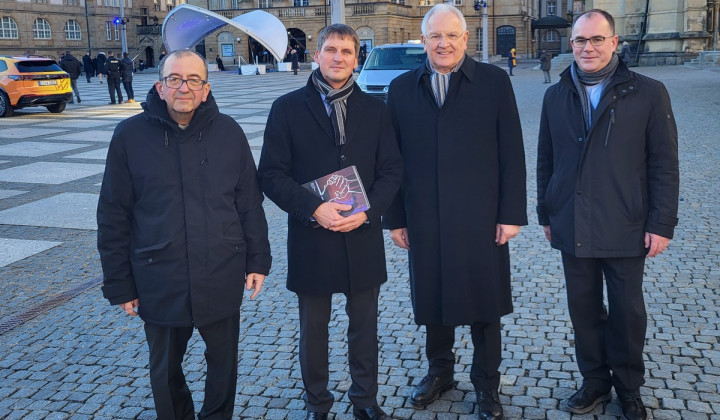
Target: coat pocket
{"points": [[149, 252]]}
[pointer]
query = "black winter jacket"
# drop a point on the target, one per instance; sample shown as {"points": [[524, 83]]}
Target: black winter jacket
{"points": [[71, 65], [602, 190], [180, 217], [126, 69]]}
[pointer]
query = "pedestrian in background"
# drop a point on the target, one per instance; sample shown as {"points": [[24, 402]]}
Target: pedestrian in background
{"points": [[113, 73], [463, 198], [545, 63], [512, 61], [126, 75], [344, 254], [625, 52], [607, 185], [181, 229], [220, 64], [294, 60], [88, 66], [72, 66], [100, 65]]}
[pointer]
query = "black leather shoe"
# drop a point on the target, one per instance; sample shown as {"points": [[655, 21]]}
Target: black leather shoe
{"points": [[312, 415], [585, 399], [370, 413], [489, 407], [632, 406], [429, 390]]}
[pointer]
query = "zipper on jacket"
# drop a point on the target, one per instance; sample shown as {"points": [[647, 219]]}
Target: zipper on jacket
{"points": [[612, 121], [166, 139]]}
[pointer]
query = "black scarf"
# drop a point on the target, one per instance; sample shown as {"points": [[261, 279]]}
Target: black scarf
{"points": [[581, 79], [337, 98]]}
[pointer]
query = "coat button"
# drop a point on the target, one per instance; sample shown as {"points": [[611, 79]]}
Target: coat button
{"points": [[342, 157], [149, 260], [578, 192], [579, 138], [579, 244]]}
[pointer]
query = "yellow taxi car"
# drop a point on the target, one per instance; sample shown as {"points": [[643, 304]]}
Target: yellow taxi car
{"points": [[32, 81]]}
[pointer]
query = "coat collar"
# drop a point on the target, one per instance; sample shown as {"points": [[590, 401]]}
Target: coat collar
{"points": [[467, 69]]}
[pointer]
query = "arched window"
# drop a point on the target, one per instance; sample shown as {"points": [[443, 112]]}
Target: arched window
{"points": [[8, 28], [41, 29], [72, 30], [551, 35]]}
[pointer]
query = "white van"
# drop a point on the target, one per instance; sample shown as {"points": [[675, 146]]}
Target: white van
{"points": [[386, 62]]}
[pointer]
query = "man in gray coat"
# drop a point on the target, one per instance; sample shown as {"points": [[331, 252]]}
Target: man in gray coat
{"points": [[607, 183], [463, 198]]}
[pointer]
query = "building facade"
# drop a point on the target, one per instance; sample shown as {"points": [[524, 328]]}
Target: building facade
{"points": [[376, 22], [49, 27]]}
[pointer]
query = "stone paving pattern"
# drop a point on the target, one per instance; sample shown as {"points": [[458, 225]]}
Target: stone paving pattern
{"points": [[83, 359]]}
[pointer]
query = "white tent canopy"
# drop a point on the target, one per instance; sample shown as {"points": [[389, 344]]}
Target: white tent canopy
{"points": [[186, 25]]}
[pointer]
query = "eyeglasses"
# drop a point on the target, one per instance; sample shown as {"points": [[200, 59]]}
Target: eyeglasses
{"points": [[451, 37], [177, 82], [595, 41]]}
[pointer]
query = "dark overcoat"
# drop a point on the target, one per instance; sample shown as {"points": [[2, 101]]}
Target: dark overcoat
{"points": [[299, 147], [601, 189], [464, 174], [180, 216]]}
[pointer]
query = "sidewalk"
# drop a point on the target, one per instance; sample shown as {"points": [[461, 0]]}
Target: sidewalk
{"points": [[67, 354]]}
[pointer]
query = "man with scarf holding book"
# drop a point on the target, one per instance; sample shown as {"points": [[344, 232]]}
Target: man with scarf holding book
{"points": [[312, 132], [607, 179]]}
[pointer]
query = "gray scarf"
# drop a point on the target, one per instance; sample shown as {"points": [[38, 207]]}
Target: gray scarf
{"points": [[581, 79], [337, 98]]}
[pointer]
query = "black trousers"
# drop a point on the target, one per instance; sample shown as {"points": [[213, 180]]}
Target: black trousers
{"points": [[361, 309], [129, 89], [609, 342], [114, 86], [73, 84], [484, 375], [172, 397]]}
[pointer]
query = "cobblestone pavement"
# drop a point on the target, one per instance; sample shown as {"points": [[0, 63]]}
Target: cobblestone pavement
{"points": [[67, 354]]}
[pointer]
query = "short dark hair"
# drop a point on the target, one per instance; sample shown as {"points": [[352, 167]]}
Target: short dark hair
{"points": [[608, 17], [125, 55], [341, 30], [67, 52]]}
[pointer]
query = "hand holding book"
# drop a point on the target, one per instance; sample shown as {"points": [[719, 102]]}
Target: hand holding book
{"points": [[345, 200]]}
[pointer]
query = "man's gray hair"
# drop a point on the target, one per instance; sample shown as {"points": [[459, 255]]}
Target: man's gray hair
{"points": [[178, 54], [442, 8]]}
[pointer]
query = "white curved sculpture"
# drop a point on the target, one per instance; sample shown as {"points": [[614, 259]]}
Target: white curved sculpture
{"points": [[186, 25]]}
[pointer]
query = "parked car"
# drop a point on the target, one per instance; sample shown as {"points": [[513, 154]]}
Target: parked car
{"points": [[386, 62], [32, 81]]}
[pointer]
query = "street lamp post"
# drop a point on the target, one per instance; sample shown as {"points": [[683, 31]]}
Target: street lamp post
{"points": [[122, 29], [483, 4]]}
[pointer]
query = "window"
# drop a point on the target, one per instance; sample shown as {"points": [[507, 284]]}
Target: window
{"points": [[264, 4], [235, 4], [108, 35], [427, 2], [551, 8], [41, 29], [457, 2], [8, 28], [300, 3], [72, 30], [577, 6], [70, 2], [117, 32], [551, 35]]}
